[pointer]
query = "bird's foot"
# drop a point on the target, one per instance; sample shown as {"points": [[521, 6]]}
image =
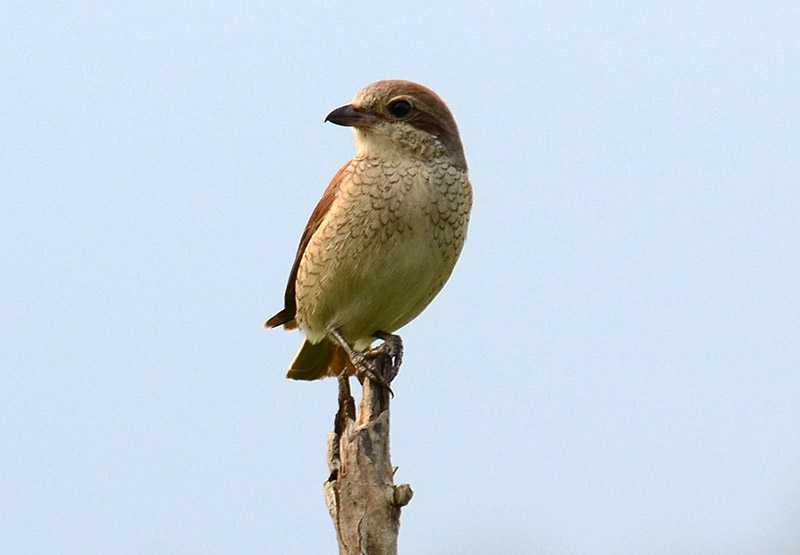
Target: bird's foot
{"points": [[392, 347], [375, 366], [381, 364]]}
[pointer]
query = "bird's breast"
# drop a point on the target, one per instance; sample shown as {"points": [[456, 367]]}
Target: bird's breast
{"points": [[385, 248]]}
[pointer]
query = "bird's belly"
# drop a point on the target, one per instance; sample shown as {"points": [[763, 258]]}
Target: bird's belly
{"points": [[362, 284]]}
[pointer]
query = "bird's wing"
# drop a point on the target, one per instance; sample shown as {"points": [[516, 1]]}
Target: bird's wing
{"points": [[286, 316]]}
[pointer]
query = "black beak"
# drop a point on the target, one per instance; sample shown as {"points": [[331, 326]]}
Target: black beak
{"points": [[350, 116]]}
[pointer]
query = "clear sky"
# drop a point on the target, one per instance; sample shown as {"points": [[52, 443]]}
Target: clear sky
{"points": [[614, 366]]}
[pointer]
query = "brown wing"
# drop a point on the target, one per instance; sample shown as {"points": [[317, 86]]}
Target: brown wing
{"points": [[286, 316]]}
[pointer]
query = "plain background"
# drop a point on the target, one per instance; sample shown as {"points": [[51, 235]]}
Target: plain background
{"points": [[613, 367]]}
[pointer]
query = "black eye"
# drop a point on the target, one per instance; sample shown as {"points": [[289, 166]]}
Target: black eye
{"points": [[400, 108]]}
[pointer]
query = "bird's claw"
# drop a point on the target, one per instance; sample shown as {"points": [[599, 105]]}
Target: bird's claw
{"points": [[373, 365], [392, 348], [381, 364]]}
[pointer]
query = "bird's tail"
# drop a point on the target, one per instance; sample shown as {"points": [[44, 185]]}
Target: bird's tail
{"points": [[319, 360]]}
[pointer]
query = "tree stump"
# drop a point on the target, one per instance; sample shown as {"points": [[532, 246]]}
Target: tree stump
{"points": [[360, 492]]}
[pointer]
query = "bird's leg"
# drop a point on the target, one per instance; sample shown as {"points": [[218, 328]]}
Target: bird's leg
{"points": [[392, 347], [366, 363]]}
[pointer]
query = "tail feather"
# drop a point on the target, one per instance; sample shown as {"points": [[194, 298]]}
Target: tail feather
{"points": [[319, 360], [283, 318]]}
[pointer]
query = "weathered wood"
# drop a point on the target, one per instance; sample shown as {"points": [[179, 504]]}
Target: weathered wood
{"points": [[360, 492]]}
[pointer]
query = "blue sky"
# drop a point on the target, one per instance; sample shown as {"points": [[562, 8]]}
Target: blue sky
{"points": [[613, 367]]}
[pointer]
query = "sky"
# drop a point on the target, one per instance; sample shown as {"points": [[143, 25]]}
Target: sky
{"points": [[614, 366]]}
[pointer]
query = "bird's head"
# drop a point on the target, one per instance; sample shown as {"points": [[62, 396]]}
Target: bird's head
{"points": [[401, 119]]}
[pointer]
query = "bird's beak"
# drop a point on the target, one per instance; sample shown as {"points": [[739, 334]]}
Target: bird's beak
{"points": [[351, 116]]}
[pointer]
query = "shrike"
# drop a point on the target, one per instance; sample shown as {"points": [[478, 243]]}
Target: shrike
{"points": [[385, 236]]}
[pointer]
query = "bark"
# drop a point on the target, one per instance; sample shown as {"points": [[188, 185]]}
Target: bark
{"points": [[360, 492]]}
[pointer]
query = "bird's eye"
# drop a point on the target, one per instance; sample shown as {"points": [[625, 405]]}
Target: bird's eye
{"points": [[400, 109]]}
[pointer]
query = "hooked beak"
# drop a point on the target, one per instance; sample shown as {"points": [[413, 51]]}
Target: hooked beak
{"points": [[350, 116]]}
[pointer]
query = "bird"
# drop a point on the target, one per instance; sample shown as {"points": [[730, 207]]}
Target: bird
{"points": [[385, 236]]}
